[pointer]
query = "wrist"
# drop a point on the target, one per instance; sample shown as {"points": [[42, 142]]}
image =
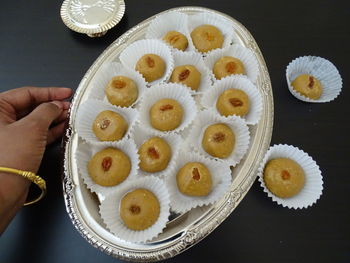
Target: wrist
{"points": [[13, 194], [32, 177], [18, 163], [12, 184]]}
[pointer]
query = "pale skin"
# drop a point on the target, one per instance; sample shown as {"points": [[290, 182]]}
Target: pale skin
{"points": [[30, 119]]}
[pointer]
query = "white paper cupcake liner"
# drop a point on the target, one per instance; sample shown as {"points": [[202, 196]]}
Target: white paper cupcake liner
{"points": [[174, 140], [225, 26], [195, 59], [184, 135], [237, 125], [240, 82], [245, 55], [174, 91], [131, 54], [86, 151], [320, 68], [221, 178], [110, 70], [88, 112], [172, 21], [109, 210], [313, 179]]}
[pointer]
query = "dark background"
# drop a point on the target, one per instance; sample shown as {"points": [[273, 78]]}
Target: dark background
{"points": [[37, 49]]}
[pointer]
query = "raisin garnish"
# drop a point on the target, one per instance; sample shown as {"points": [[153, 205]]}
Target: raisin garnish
{"points": [[230, 67], [106, 163], [152, 152], [119, 84], [135, 209], [174, 39], [285, 175], [219, 137], [311, 82], [184, 74], [236, 102], [104, 124], [150, 62], [166, 107], [209, 37], [195, 174]]}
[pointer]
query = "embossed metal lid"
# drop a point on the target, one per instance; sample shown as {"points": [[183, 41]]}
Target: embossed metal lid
{"points": [[92, 17]]}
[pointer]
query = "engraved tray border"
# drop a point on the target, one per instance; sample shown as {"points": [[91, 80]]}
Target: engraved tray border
{"points": [[217, 213]]}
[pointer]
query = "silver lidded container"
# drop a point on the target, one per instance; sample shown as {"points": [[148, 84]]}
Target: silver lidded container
{"points": [[92, 17]]}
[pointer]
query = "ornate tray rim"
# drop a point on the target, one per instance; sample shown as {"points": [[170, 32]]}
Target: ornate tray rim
{"points": [[219, 211]]}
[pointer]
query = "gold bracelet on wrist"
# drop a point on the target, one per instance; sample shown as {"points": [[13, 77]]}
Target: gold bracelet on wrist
{"points": [[40, 182]]}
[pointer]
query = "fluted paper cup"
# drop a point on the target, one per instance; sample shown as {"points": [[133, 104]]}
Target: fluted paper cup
{"points": [[109, 210], [245, 55], [175, 91], [196, 60], [313, 187], [86, 151], [221, 179], [240, 82], [238, 127], [131, 54], [174, 140], [88, 112], [224, 25], [171, 21], [110, 70], [321, 69]]}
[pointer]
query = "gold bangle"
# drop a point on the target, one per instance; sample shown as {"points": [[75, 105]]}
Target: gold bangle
{"points": [[40, 182]]}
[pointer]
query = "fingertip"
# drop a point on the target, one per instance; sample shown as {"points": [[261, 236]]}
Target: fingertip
{"points": [[60, 93], [67, 91], [59, 104], [66, 105]]}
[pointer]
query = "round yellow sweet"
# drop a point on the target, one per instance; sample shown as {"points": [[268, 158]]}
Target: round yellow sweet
{"points": [[284, 177], [109, 167], [166, 115], [187, 75], [121, 91], [226, 66], [308, 86], [176, 40], [151, 67], [194, 179], [109, 126], [233, 102], [155, 154], [218, 140], [139, 209], [206, 38]]}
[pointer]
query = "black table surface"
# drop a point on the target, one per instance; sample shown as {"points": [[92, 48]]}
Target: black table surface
{"points": [[37, 49]]}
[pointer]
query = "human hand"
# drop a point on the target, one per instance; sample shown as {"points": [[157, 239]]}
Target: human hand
{"points": [[26, 115], [30, 118]]}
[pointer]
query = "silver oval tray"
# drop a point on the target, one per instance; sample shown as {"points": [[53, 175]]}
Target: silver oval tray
{"points": [[182, 231]]}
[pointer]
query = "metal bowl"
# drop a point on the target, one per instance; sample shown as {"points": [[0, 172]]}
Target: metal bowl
{"points": [[183, 230]]}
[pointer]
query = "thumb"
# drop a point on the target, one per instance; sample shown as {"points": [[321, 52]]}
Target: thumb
{"points": [[44, 114]]}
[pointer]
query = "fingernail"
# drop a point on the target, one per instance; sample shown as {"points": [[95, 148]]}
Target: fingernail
{"points": [[67, 89], [66, 105], [58, 104]]}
